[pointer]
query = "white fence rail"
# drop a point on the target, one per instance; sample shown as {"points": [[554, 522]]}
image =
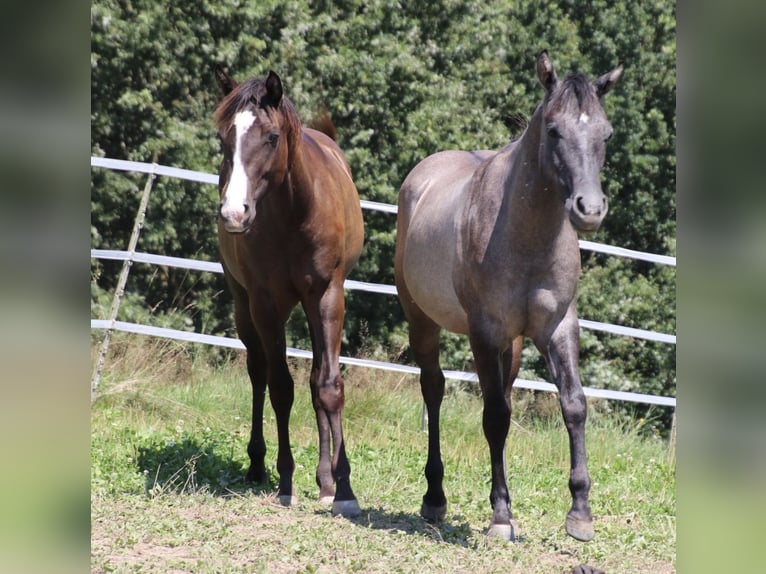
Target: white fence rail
{"points": [[207, 266], [192, 337], [351, 285]]}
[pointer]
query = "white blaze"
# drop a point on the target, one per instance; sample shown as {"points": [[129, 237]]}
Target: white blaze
{"points": [[584, 118], [236, 190]]}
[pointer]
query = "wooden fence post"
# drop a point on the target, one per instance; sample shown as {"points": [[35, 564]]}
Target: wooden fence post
{"points": [[121, 282]]}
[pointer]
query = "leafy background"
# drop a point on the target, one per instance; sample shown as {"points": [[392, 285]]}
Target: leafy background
{"points": [[401, 81]]}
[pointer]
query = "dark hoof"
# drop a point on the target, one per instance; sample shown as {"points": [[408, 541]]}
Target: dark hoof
{"points": [[433, 513], [346, 508], [580, 529], [586, 569]]}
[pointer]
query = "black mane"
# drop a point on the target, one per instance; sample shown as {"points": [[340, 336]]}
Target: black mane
{"points": [[575, 94]]}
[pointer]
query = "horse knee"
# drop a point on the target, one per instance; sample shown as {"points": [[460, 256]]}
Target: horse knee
{"points": [[432, 386], [496, 419], [330, 394], [574, 408]]}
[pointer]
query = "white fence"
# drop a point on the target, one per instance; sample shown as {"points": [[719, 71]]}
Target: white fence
{"points": [[130, 256]]}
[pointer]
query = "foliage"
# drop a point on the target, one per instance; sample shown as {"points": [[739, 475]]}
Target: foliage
{"points": [[401, 81]]}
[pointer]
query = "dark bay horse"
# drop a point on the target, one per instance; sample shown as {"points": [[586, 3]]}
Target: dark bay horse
{"points": [[487, 246], [290, 230]]}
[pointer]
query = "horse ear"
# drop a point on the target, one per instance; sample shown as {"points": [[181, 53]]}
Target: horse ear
{"points": [[274, 88], [545, 72], [225, 81], [606, 82]]}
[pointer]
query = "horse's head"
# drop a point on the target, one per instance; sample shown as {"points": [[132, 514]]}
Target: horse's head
{"points": [[254, 124], [574, 135]]}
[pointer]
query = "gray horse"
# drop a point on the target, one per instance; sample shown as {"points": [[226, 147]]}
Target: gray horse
{"points": [[487, 246]]}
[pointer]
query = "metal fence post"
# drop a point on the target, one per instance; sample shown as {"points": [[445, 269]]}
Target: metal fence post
{"points": [[123, 279]]}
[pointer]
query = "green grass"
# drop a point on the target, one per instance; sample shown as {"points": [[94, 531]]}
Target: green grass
{"points": [[169, 437]]}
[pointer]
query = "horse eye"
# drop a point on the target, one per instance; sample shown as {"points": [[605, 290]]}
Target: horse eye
{"points": [[553, 132], [273, 139]]}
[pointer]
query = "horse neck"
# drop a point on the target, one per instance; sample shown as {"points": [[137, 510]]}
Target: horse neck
{"points": [[533, 197], [293, 198]]}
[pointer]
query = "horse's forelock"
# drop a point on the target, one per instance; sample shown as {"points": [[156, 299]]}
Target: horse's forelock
{"points": [[241, 96], [574, 93], [236, 100]]}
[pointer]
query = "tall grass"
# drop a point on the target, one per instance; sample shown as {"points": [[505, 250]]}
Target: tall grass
{"points": [[169, 437]]}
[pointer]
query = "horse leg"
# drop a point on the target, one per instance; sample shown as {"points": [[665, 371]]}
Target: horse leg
{"points": [[325, 318], [256, 448], [512, 365], [424, 344], [270, 326], [493, 368], [281, 394], [256, 369], [562, 355], [324, 477]]}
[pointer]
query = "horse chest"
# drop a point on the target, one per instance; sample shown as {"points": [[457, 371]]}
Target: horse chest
{"points": [[266, 261], [509, 300]]}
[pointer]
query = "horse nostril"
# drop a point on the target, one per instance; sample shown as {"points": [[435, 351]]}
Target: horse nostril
{"points": [[247, 208]]}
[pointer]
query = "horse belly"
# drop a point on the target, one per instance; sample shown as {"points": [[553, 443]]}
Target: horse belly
{"points": [[429, 262]]}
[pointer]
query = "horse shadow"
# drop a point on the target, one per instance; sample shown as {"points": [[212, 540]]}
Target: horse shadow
{"points": [[455, 530], [190, 465]]}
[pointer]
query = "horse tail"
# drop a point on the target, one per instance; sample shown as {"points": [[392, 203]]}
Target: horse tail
{"points": [[323, 123]]}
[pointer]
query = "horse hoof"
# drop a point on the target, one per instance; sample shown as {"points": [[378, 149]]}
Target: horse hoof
{"points": [[580, 529], [346, 508], [502, 531], [287, 500], [433, 513], [326, 500]]}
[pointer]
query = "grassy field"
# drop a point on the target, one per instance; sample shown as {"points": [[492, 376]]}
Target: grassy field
{"points": [[168, 455]]}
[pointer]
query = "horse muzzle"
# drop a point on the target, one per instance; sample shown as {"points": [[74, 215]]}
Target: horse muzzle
{"points": [[237, 219], [587, 211]]}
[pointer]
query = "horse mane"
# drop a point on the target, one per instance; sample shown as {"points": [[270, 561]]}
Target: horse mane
{"points": [[254, 90], [322, 122]]}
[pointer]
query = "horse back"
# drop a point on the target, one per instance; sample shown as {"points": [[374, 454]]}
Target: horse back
{"points": [[315, 140]]}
